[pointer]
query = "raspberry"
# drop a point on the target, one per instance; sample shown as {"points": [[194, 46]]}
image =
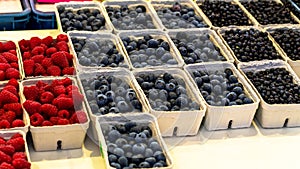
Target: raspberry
{"points": [[16, 136], [9, 45], [24, 45], [10, 116], [21, 155], [40, 84], [26, 55], [4, 124], [18, 143], [17, 123], [60, 59], [56, 83], [70, 88], [79, 117], [2, 141], [63, 122], [38, 58], [38, 50], [13, 82], [2, 75], [10, 57], [47, 62], [53, 71], [34, 41], [45, 47], [20, 163], [4, 66], [7, 149], [49, 110], [14, 52], [69, 57], [64, 103], [5, 165], [50, 51], [32, 107], [12, 89], [31, 92], [47, 40], [63, 114], [39, 70], [47, 123], [58, 90], [8, 97], [62, 46], [77, 97], [54, 120], [62, 37], [36, 119], [28, 67], [2, 59], [46, 97], [67, 81], [12, 73], [15, 65], [15, 107], [68, 71]]}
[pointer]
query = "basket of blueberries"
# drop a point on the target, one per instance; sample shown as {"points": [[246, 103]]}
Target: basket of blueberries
{"points": [[132, 141], [230, 100]]}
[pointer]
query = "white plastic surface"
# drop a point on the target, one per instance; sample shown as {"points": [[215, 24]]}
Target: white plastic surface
{"points": [[274, 115], [47, 138], [220, 117]]}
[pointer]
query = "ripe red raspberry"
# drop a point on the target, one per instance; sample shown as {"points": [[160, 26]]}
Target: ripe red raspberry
{"points": [[2, 141], [15, 65], [21, 155], [4, 124], [79, 117], [34, 41], [7, 149], [24, 45], [28, 67], [2, 59], [21, 164], [10, 116], [53, 71], [31, 92], [2, 75], [14, 52], [70, 88], [39, 70], [36, 119], [26, 55], [50, 51], [45, 47], [38, 50], [62, 37], [68, 71], [18, 143], [15, 107], [54, 120], [62, 46], [66, 82], [64, 103], [5, 165], [60, 59], [47, 123], [9, 45], [8, 97], [76, 96], [49, 110], [47, 40], [4, 66], [4, 158], [32, 107], [69, 57], [58, 90], [12, 73], [46, 97], [17, 123], [38, 58], [10, 57], [63, 122], [13, 82], [16, 136], [63, 114], [11, 89], [40, 84]]}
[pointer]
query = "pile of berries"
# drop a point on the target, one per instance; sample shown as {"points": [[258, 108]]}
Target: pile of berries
{"points": [[12, 153], [11, 113], [47, 56], [58, 103], [9, 67]]}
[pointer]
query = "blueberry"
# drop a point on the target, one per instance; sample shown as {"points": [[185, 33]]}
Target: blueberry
{"points": [[101, 100], [148, 152], [237, 90], [114, 110], [112, 158], [118, 152], [155, 146], [141, 137], [120, 142], [159, 156], [115, 165], [158, 165], [123, 161], [233, 79], [160, 84], [113, 135], [144, 165], [138, 148], [231, 96], [152, 43], [247, 100], [170, 87]]}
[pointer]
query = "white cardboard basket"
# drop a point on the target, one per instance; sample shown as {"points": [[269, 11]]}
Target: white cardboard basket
{"points": [[274, 115], [55, 137]]}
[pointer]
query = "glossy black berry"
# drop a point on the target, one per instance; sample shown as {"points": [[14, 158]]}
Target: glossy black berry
{"points": [[222, 13], [175, 15], [269, 12], [250, 45]]}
